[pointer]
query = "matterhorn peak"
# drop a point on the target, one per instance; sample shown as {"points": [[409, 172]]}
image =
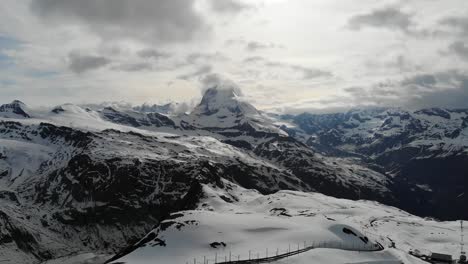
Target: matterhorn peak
{"points": [[223, 106], [17, 102], [223, 96]]}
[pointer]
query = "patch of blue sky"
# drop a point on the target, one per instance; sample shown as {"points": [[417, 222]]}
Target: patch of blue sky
{"points": [[41, 74], [7, 82], [5, 61], [9, 43]]}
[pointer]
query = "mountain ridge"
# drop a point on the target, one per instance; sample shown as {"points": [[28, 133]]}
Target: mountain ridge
{"points": [[84, 169]]}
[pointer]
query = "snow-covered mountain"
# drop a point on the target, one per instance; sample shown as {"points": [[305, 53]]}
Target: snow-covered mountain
{"points": [[222, 107], [76, 179], [14, 109], [155, 108], [427, 149]]}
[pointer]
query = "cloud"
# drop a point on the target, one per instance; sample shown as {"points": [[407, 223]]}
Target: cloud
{"points": [[306, 73], [425, 80], [254, 59], [440, 89], [458, 23], [79, 63], [211, 80], [389, 18], [153, 53], [460, 49], [165, 21], [134, 67], [255, 46], [450, 90], [200, 57], [200, 71], [310, 73], [235, 41], [220, 82], [228, 6]]}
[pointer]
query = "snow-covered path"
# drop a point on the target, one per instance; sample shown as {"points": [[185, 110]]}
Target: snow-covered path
{"points": [[277, 257]]}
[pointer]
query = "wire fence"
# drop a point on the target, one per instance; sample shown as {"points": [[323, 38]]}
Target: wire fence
{"points": [[269, 255]]}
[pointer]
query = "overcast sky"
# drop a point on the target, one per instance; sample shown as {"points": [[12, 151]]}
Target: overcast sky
{"points": [[286, 55]]}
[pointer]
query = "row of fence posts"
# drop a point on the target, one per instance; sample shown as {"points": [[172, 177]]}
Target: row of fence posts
{"points": [[256, 256]]}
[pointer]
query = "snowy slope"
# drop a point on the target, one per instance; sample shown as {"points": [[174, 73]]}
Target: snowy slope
{"points": [[235, 221]]}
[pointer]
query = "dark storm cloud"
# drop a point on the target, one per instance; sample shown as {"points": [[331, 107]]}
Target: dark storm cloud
{"points": [[228, 6], [389, 18], [460, 49], [79, 63], [147, 20]]}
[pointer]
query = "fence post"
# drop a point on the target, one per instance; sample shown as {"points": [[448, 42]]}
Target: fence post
{"points": [[204, 259], [277, 249], [194, 261], [216, 257]]}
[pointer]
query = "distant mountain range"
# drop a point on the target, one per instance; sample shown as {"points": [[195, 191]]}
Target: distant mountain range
{"points": [[76, 179]]}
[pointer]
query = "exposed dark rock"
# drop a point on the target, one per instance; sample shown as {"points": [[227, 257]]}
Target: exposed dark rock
{"points": [[217, 244]]}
